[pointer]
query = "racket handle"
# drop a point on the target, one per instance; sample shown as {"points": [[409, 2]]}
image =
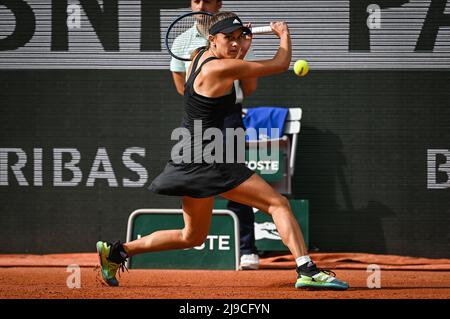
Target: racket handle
{"points": [[262, 30]]}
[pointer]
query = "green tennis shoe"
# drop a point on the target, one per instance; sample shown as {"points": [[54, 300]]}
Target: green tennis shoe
{"points": [[108, 268], [312, 277]]}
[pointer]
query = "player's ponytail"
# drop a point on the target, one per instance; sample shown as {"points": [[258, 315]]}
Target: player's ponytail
{"points": [[196, 51]]}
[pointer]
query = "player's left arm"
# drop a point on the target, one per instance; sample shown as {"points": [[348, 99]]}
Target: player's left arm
{"points": [[248, 85]]}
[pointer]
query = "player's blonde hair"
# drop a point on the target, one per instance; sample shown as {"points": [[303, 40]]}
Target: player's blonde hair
{"points": [[214, 19]]}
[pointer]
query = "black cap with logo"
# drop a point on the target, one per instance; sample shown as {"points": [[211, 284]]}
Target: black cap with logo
{"points": [[228, 25]]}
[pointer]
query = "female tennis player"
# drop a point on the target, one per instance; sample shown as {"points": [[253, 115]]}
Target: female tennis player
{"points": [[209, 91]]}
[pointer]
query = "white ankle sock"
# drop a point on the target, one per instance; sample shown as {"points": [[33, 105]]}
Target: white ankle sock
{"points": [[302, 260]]}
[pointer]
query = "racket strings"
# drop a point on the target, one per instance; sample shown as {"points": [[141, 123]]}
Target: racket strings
{"points": [[180, 36]]}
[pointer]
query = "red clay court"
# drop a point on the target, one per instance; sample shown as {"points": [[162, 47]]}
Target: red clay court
{"points": [[33, 276]]}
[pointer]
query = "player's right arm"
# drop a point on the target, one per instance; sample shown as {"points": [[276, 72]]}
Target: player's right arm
{"points": [[235, 68], [248, 85]]}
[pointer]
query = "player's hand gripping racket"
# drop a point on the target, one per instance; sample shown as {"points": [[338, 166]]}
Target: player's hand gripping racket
{"points": [[179, 41]]}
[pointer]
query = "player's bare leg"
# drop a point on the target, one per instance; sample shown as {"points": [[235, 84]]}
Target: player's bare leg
{"points": [[197, 219], [255, 192]]}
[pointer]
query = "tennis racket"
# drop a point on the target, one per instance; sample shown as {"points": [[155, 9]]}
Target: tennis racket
{"points": [[181, 35]]}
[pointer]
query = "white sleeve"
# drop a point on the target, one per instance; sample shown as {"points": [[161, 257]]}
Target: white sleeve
{"points": [[177, 65]]}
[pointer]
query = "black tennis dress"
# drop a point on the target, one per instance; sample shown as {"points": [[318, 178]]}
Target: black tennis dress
{"points": [[203, 179]]}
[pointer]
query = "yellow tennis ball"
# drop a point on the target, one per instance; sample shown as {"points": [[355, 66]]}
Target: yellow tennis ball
{"points": [[301, 67]]}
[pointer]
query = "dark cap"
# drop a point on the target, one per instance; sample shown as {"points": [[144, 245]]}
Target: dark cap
{"points": [[228, 25]]}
